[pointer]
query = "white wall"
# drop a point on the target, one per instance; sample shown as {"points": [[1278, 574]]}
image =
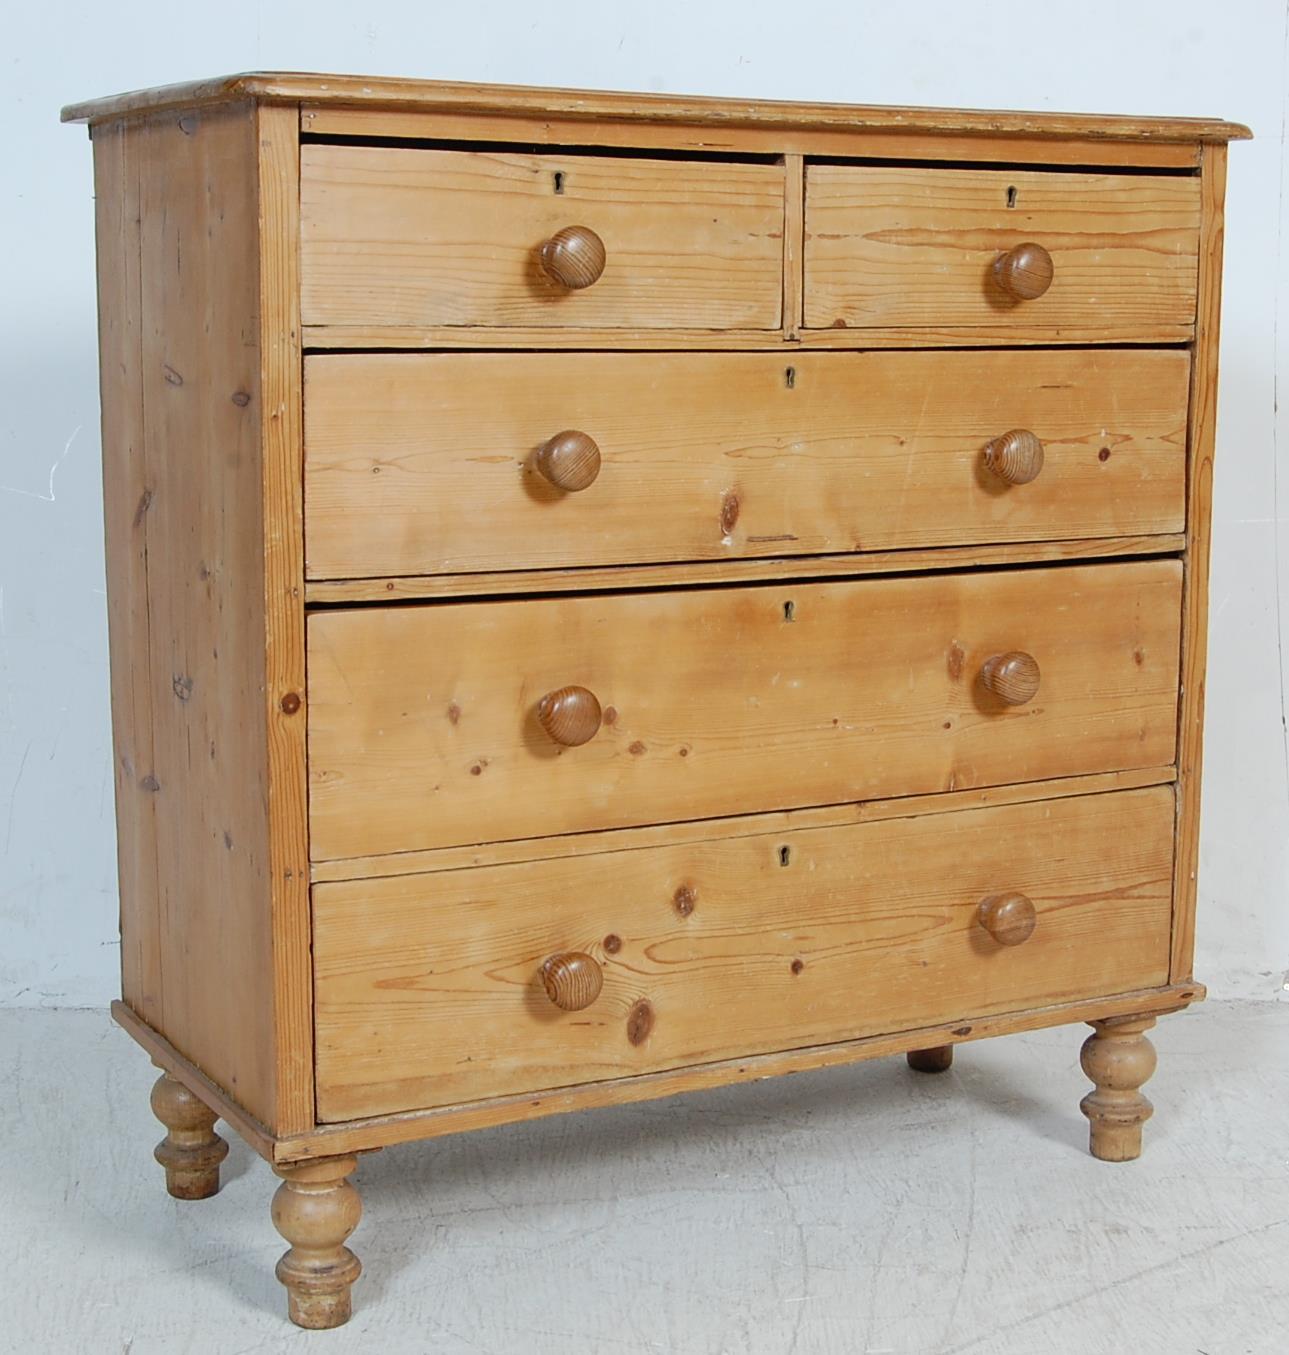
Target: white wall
{"points": [[57, 887]]}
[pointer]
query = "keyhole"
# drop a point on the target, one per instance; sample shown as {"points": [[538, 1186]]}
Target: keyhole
{"points": [[1011, 196], [789, 611], [559, 182], [785, 855], [790, 377]]}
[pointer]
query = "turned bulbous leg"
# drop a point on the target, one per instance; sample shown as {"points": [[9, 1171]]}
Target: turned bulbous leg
{"points": [[1118, 1058], [937, 1060], [191, 1150], [316, 1209]]}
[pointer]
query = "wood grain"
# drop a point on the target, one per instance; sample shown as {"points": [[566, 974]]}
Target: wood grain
{"points": [[127, 495], [200, 450], [422, 237], [858, 141], [794, 225], [739, 825], [284, 688], [405, 588], [1199, 510], [384, 1131], [397, 93], [197, 526], [794, 939], [422, 728], [903, 246], [412, 465], [1015, 333]]}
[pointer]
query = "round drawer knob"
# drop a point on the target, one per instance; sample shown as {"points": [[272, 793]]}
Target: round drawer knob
{"points": [[570, 460], [573, 257], [572, 980], [1015, 458], [1013, 678], [1025, 272], [570, 715], [1009, 918]]}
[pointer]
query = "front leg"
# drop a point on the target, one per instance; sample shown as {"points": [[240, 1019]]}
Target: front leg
{"points": [[316, 1209], [1118, 1058]]}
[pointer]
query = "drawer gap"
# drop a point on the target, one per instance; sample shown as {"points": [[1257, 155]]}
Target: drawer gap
{"points": [[544, 149], [1028, 167], [787, 579]]}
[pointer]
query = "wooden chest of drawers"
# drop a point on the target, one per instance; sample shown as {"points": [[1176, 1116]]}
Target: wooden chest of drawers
{"points": [[616, 595]]}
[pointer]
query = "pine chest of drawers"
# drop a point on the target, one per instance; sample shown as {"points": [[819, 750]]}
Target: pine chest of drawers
{"points": [[616, 595]]}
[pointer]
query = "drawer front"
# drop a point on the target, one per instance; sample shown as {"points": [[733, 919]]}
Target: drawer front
{"points": [[918, 247], [414, 464], [429, 988], [394, 236], [428, 726]]}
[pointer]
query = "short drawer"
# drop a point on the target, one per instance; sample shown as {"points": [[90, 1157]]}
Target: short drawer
{"points": [[453, 723], [934, 248], [405, 236], [421, 463], [430, 991]]}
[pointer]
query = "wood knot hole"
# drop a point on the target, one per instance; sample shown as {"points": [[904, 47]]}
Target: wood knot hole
{"points": [[640, 1022]]}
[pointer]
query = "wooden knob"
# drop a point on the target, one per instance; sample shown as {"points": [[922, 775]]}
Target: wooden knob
{"points": [[571, 460], [1024, 272], [573, 257], [1013, 678], [1016, 457], [570, 715], [572, 980], [1009, 918]]}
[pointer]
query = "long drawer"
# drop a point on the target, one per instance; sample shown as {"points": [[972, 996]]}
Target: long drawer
{"points": [[437, 989], [413, 236], [948, 248], [444, 724], [415, 464]]}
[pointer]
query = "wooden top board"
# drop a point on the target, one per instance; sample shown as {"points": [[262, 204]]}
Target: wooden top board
{"points": [[451, 97]]}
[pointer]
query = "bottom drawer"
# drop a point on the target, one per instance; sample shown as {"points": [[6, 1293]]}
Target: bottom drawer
{"points": [[432, 989]]}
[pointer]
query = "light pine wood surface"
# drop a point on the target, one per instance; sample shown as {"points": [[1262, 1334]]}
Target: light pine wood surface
{"points": [[392, 235], [423, 726], [616, 595], [1199, 527], [429, 988], [178, 221], [387, 93], [412, 465], [856, 564], [738, 825], [904, 246]]}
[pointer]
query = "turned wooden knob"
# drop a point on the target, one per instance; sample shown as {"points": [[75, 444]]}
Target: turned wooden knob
{"points": [[1016, 457], [571, 460], [1013, 678], [1024, 272], [573, 257], [570, 715], [572, 980], [1009, 918]]}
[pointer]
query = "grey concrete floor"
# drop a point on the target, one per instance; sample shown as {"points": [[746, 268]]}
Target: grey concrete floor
{"points": [[865, 1210]]}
